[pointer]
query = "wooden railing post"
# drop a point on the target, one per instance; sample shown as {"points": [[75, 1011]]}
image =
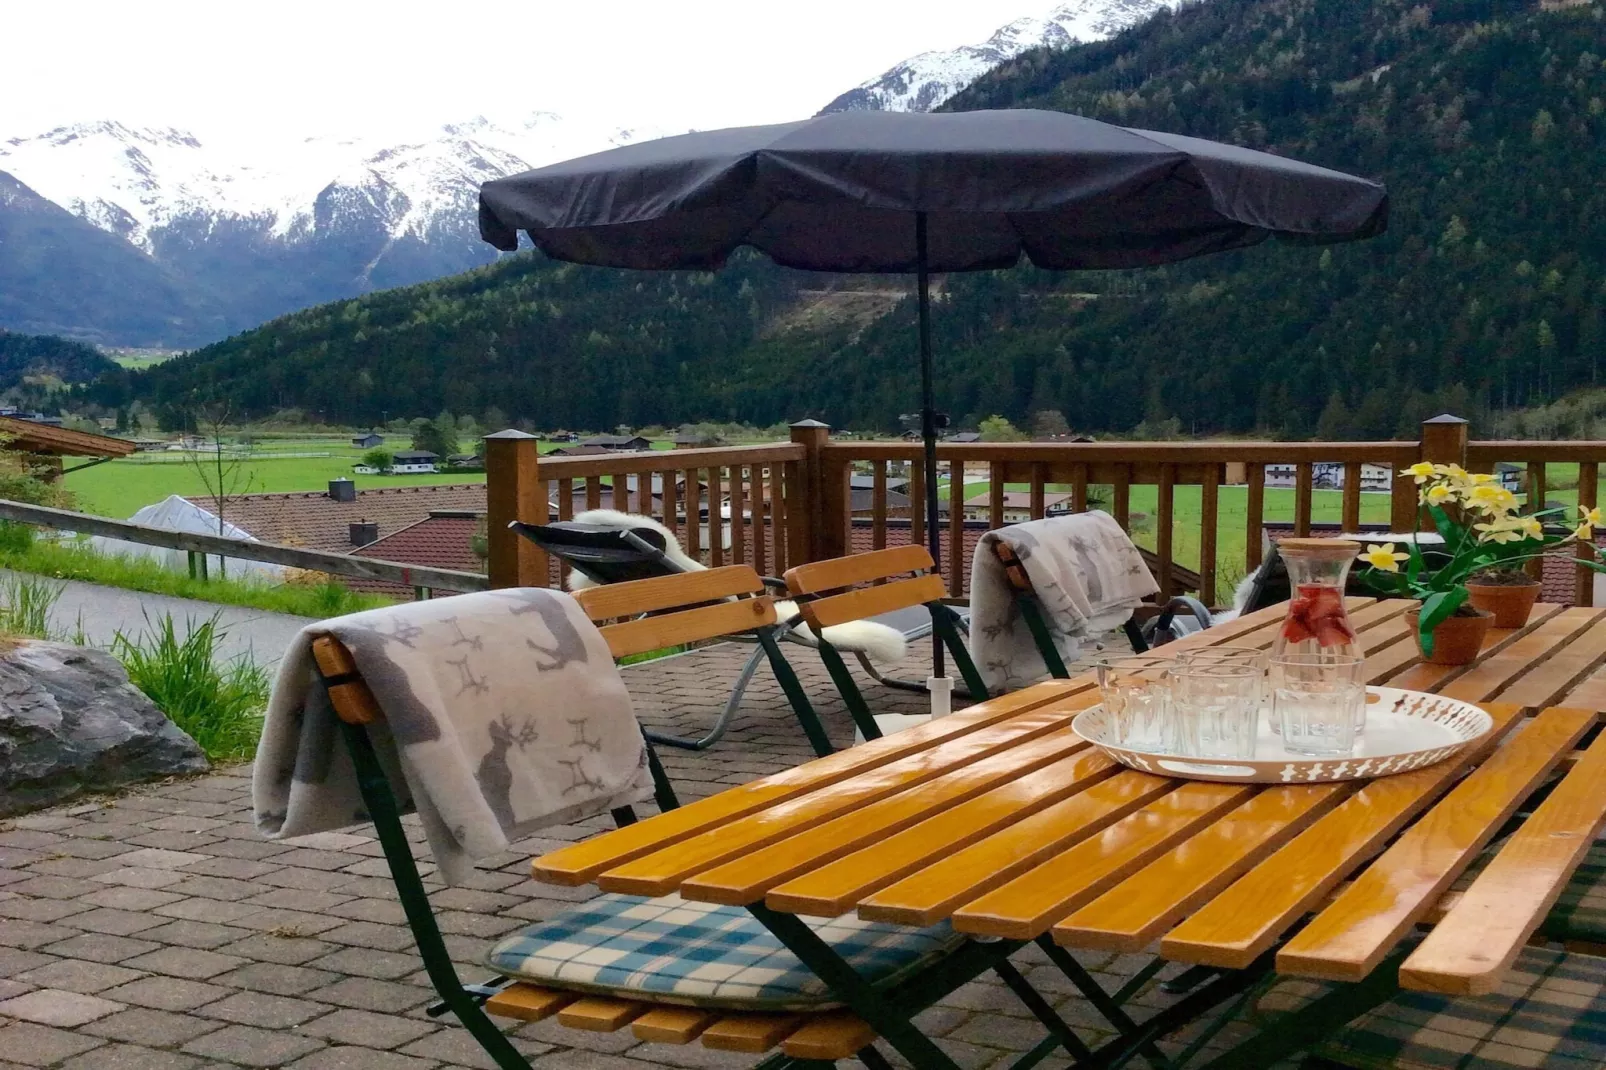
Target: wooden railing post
{"points": [[818, 510], [1444, 440], [514, 490]]}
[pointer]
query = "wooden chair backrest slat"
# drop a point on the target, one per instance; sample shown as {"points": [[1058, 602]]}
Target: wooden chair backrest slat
{"points": [[871, 601], [848, 571], [1014, 569], [352, 700], [688, 626], [635, 597]]}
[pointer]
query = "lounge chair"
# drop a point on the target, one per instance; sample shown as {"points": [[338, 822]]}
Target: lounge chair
{"points": [[604, 546]]}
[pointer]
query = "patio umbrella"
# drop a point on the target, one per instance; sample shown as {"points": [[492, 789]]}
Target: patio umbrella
{"points": [[911, 192]]}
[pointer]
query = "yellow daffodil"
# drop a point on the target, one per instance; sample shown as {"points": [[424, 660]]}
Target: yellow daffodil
{"points": [[1502, 530], [1590, 516], [1422, 471], [1383, 558], [1530, 527], [1452, 471], [1439, 494], [1491, 499], [1478, 479]]}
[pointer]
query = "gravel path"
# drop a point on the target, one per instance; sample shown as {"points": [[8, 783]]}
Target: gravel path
{"points": [[104, 611]]}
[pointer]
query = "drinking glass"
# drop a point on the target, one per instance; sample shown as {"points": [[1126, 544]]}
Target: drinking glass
{"points": [[1320, 700], [1245, 655], [1218, 707], [1136, 692]]}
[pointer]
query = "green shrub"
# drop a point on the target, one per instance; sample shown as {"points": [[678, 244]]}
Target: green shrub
{"points": [[15, 538], [219, 704]]}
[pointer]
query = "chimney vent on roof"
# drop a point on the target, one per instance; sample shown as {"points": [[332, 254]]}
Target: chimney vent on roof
{"points": [[342, 490], [364, 532]]}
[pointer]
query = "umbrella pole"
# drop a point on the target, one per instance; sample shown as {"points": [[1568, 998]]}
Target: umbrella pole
{"points": [[928, 420]]}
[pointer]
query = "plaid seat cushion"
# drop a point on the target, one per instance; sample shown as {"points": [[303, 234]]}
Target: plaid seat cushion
{"points": [[1550, 1014], [1580, 911], [671, 950]]}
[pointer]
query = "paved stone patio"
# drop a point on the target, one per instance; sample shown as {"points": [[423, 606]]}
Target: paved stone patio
{"points": [[157, 931]]}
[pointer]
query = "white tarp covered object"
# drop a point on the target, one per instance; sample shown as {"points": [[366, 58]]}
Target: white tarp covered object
{"points": [[180, 514]]}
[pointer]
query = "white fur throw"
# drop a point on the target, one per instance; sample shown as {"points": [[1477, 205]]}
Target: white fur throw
{"points": [[875, 641], [503, 713]]}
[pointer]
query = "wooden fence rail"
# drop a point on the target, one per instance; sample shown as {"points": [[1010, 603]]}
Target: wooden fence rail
{"points": [[362, 568]]}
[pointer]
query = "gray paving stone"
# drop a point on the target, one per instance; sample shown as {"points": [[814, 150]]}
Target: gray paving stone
{"points": [[278, 979], [129, 1057], [194, 908], [262, 1009], [26, 908], [252, 1047], [141, 877], [83, 847], [129, 898], [363, 962], [291, 922], [188, 962], [115, 922], [454, 1046], [101, 947], [76, 975], [15, 960], [353, 1058], [367, 993], [349, 1026], [167, 993], [42, 1045], [155, 858], [153, 1028], [267, 947], [369, 934], [33, 934], [57, 1007], [187, 933]]}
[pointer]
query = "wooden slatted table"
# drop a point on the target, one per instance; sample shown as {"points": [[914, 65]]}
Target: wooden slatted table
{"points": [[1002, 821]]}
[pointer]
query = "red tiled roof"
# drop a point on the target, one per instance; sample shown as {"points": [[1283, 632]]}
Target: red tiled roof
{"points": [[434, 542], [315, 521]]}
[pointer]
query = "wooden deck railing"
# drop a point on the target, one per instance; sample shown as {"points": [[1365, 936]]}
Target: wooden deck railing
{"points": [[792, 502], [727, 504]]}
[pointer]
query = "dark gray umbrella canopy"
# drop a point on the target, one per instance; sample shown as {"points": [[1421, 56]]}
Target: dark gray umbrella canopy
{"points": [[840, 192], [908, 192]]}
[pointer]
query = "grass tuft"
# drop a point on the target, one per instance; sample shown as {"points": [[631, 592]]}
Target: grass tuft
{"points": [[220, 705], [25, 604]]}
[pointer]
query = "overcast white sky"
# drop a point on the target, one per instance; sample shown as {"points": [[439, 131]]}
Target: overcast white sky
{"points": [[296, 68]]}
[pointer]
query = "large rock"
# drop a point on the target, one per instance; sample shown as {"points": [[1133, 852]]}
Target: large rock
{"points": [[70, 722]]}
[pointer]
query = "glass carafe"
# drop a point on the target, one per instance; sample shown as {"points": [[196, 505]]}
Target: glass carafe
{"points": [[1317, 622]]}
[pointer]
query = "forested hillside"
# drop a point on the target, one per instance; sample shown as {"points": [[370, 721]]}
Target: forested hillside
{"points": [[1485, 117], [28, 356]]}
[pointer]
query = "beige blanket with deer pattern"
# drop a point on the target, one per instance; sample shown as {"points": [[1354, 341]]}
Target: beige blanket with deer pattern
{"points": [[503, 713]]}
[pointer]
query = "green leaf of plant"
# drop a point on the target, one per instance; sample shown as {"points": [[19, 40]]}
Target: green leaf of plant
{"points": [[1437, 608]]}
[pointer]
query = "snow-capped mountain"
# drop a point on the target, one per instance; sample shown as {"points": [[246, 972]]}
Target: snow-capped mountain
{"points": [[922, 82], [264, 229]]}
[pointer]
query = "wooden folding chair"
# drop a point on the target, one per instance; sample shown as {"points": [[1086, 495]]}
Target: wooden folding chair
{"points": [[864, 585], [652, 614]]}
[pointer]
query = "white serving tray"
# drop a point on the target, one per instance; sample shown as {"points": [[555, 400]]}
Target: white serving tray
{"points": [[1405, 730]]}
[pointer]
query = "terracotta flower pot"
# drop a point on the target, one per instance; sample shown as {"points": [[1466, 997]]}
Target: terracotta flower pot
{"points": [[1456, 641], [1509, 602]]}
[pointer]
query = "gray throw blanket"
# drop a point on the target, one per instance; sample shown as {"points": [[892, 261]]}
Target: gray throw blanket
{"points": [[503, 713], [1088, 577]]}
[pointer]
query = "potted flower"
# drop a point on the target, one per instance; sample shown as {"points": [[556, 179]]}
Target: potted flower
{"points": [[1484, 536], [1507, 593]]}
